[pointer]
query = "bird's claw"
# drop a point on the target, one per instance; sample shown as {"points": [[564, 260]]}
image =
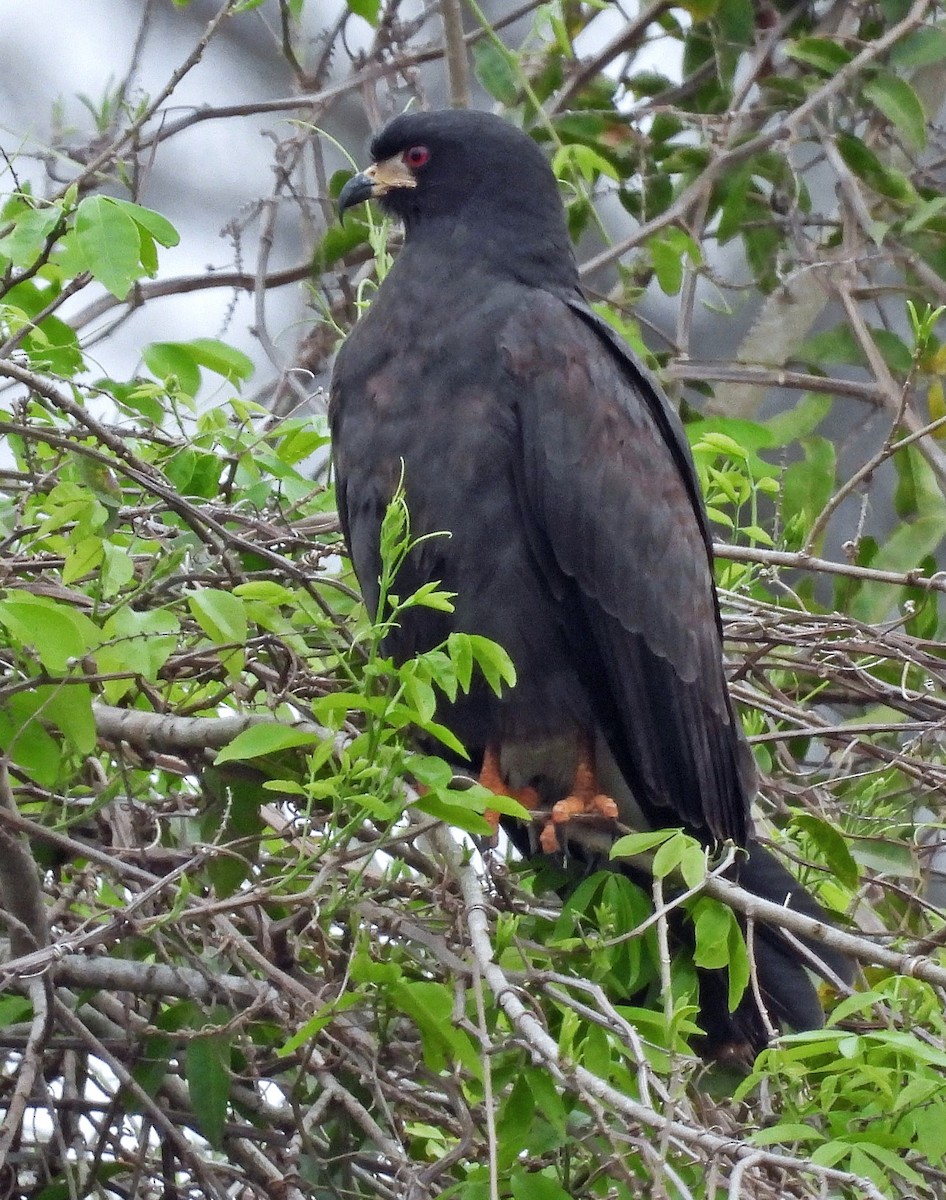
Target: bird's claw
{"points": [[598, 806]]}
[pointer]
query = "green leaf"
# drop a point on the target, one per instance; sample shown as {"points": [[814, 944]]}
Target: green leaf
{"points": [[639, 843], [918, 492], [56, 631], [160, 228], [837, 345], [583, 160], [807, 486], [167, 360], [220, 358], [443, 735], [900, 105], [118, 569], [430, 771], [24, 737], [711, 921], [929, 1122], [419, 694], [921, 48], [887, 858], [738, 963], [430, 595], [905, 1042], [370, 10], [494, 662], [548, 1099], [26, 241], [70, 710], [140, 397], [137, 642], [339, 240], [185, 359], [923, 213], [461, 654], [82, 558], [737, 22], [457, 814], [669, 854], [221, 615], [530, 1185], [840, 345], [497, 70], [821, 53], [110, 244], [430, 1007], [701, 10], [833, 847], [668, 251], [693, 864], [265, 738], [735, 199], [896, 353], [233, 816], [892, 1162], [14, 1009], [195, 474], [316, 1023], [785, 1131], [51, 344], [902, 551], [798, 422], [514, 1123], [506, 806], [207, 1070], [867, 166]]}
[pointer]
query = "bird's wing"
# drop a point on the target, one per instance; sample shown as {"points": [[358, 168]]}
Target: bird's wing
{"points": [[609, 487]]}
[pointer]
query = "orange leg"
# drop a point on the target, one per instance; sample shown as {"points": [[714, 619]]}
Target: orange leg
{"points": [[491, 777], [584, 800]]}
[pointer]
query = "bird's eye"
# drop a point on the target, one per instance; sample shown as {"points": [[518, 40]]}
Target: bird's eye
{"points": [[416, 156]]}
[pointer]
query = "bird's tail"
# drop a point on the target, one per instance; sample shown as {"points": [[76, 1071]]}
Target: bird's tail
{"points": [[782, 993], [783, 984]]}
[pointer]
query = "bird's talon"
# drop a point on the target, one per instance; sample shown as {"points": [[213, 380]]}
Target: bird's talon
{"points": [[548, 839], [490, 841], [598, 806], [605, 807], [584, 806]]}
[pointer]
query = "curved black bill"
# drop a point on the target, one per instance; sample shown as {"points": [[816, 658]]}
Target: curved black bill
{"points": [[358, 189]]}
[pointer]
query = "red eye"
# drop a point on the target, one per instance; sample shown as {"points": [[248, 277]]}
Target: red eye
{"points": [[416, 156]]}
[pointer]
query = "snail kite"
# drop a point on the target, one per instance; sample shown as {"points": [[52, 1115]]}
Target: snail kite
{"points": [[528, 432]]}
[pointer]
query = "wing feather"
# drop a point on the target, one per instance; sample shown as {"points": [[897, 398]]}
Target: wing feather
{"points": [[609, 486]]}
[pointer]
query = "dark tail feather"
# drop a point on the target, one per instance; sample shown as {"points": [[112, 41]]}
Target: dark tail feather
{"points": [[761, 873], [783, 975], [782, 971]]}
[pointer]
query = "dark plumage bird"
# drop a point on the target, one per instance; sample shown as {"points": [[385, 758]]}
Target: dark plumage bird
{"points": [[579, 541]]}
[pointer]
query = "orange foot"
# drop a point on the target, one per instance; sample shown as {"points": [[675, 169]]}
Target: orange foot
{"points": [[491, 778], [584, 800], [593, 804]]}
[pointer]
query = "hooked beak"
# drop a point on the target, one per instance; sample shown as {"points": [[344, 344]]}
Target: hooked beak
{"points": [[375, 181]]}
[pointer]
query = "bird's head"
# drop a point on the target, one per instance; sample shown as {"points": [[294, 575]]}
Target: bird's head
{"points": [[470, 168]]}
